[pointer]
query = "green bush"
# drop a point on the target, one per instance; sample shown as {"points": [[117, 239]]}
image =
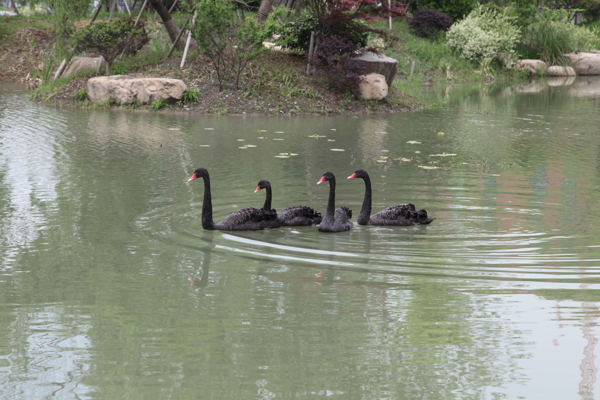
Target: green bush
{"points": [[455, 9], [295, 34], [485, 34], [228, 43], [549, 39], [110, 39]]}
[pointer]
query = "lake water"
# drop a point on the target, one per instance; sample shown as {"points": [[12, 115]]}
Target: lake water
{"points": [[111, 289]]}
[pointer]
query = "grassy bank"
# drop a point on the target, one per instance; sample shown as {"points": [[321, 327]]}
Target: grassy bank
{"points": [[274, 84]]}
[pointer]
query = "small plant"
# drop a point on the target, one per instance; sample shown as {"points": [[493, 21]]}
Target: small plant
{"points": [[427, 23], [80, 95], [191, 95], [157, 104]]}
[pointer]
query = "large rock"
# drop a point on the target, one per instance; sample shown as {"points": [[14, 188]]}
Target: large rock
{"points": [[125, 90], [585, 63], [380, 64], [373, 87], [83, 64], [533, 66], [557, 70]]}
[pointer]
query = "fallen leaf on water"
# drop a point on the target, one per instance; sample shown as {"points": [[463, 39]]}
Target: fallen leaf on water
{"points": [[261, 137], [427, 167], [173, 129], [316, 136], [205, 145], [250, 145], [441, 133], [262, 130], [241, 140], [288, 154], [381, 161], [209, 129], [282, 156], [337, 150], [413, 142], [383, 157], [385, 151], [403, 159], [279, 132], [331, 140], [381, 133], [442, 155], [333, 129], [417, 152], [277, 139], [243, 148]]}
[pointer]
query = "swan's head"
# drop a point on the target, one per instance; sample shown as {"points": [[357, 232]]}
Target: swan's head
{"points": [[199, 173], [359, 173], [327, 176], [262, 185]]}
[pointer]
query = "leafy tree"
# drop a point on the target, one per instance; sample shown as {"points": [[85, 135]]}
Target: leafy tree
{"points": [[110, 39], [228, 43], [335, 56]]}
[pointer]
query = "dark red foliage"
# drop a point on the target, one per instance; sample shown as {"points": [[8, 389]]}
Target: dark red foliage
{"points": [[335, 56], [426, 23]]}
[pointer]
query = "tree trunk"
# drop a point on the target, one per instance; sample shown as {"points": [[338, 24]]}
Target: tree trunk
{"points": [[168, 21], [264, 10]]}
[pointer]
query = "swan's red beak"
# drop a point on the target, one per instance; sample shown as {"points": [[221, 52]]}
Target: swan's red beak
{"points": [[257, 189], [322, 180], [352, 176], [192, 178]]}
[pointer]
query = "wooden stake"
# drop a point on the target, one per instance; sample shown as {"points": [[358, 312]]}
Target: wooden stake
{"points": [[60, 69], [310, 53]]}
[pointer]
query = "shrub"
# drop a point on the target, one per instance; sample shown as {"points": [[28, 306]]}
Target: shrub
{"points": [[427, 23], [335, 57], [228, 43], [550, 39], [455, 9], [109, 39], [483, 34]]}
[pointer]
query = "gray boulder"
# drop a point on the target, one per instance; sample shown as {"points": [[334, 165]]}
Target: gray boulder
{"points": [[585, 63], [533, 66], [83, 64], [121, 89], [557, 70]]}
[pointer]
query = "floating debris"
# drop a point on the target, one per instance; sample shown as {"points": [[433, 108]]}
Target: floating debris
{"points": [[427, 167], [333, 129], [250, 145], [417, 152], [288, 154], [282, 156], [205, 145], [262, 130], [331, 140], [209, 129], [385, 151], [442, 155], [277, 139], [441, 133], [261, 137], [381, 161], [173, 129], [241, 140], [243, 148], [403, 159], [337, 149], [413, 142], [316, 136], [279, 132]]}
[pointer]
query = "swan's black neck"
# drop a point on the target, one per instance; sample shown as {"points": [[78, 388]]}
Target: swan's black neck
{"points": [[207, 218], [329, 214], [267, 205], [365, 211]]}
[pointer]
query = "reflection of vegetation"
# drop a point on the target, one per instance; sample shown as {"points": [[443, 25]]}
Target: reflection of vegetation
{"points": [[582, 295]]}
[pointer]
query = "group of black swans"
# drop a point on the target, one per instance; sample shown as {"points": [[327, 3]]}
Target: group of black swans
{"points": [[335, 219]]}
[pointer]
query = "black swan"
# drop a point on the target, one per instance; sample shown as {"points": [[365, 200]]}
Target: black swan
{"points": [[400, 215], [337, 220], [293, 215], [247, 219]]}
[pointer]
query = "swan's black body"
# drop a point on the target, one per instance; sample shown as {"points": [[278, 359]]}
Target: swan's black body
{"points": [[247, 219], [400, 215], [335, 219], [293, 215]]}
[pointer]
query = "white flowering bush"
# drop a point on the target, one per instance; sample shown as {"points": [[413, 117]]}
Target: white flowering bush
{"points": [[485, 34]]}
